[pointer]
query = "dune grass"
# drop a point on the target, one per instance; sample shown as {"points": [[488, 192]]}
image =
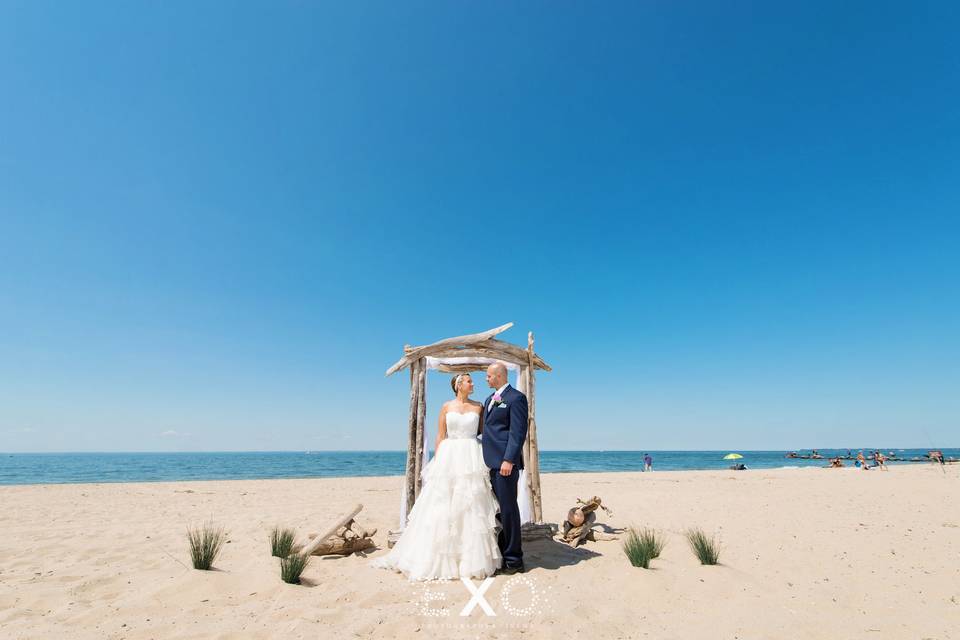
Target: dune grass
{"points": [[281, 541], [641, 546], [205, 543], [707, 549], [653, 540], [292, 565]]}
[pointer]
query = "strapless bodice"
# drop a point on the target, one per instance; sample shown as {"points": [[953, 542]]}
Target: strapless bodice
{"points": [[462, 425]]}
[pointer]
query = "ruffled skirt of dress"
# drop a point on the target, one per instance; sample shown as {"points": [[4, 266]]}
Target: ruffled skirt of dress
{"points": [[451, 529]]}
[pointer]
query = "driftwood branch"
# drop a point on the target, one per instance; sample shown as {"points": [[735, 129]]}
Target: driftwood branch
{"points": [[534, 463], [593, 504], [518, 353], [349, 538], [577, 535], [578, 527], [418, 352], [410, 488], [320, 539], [339, 546], [421, 418], [461, 368]]}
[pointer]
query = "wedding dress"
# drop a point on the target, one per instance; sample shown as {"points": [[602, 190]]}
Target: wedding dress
{"points": [[451, 530]]}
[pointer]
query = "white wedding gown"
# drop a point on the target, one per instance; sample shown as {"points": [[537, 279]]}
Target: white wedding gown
{"points": [[451, 530]]}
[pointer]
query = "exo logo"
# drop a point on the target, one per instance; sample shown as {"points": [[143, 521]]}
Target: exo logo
{"points": [[478, 599]]}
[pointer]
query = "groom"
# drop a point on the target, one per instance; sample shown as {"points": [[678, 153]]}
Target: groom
{"points": [[504, 430]]}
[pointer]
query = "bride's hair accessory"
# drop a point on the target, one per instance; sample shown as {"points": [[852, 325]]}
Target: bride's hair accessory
{"points": [[455, 382]]}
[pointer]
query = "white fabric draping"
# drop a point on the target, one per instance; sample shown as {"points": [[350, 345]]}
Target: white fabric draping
{"points": [[433, 362], [524, 497]]}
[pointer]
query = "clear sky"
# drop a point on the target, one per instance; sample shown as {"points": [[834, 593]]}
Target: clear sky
{"points": [[730, 225]]}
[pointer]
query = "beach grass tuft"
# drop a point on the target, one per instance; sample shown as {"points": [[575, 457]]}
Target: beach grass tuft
{"points": [[292, 565], [707, 549], [641, 546], [205, 544], [281, 541], [653, 540]]}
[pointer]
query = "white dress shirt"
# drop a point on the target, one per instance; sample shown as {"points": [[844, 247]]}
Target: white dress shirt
{"points": [[498, 392]]}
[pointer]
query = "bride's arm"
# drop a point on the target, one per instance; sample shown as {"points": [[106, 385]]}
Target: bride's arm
{"points": [[442, 429], [480, 422]]}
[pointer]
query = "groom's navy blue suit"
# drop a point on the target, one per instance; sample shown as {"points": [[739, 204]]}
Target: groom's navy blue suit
{"points": [[504, 431]]}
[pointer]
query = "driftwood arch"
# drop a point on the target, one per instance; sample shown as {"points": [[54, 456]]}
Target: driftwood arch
{"points": [[466, 354]]}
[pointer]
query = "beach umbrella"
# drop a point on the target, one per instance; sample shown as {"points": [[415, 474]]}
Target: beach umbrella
{"points": [[732, 456]]}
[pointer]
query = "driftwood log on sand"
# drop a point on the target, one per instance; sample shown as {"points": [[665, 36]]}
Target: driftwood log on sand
{"points": [[343, 547], [342, 538], [533, 531], [578, 526]]}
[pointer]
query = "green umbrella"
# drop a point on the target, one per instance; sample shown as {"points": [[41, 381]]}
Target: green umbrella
{"points": [[732, 456]]}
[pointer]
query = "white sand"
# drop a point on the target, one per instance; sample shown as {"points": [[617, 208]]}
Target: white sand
{"points": [[806, 553]]}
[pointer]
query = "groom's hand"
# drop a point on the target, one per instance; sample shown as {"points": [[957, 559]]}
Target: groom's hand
{"points": [[506, 468]]}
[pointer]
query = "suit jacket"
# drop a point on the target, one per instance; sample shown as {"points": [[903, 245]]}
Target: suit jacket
{"points": [[505, 429]]}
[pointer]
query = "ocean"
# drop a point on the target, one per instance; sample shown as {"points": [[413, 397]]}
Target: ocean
{"points": [[54, 468]]}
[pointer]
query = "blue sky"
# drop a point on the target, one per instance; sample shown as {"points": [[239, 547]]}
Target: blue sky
{"points": [[730, 225]]}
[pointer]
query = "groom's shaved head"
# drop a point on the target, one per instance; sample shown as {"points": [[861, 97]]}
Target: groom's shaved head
{"points": [[496, 375]]}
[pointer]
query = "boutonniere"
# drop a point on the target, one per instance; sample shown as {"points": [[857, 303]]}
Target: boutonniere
{"points": [[497, 400]]}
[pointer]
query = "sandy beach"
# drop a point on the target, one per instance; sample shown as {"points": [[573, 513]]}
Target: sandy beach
{"points": [[806, 553]]}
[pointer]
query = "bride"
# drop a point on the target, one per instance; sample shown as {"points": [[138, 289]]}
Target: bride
{"points": [[451, 530]]}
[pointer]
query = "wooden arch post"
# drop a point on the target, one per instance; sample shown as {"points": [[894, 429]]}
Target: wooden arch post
{"points": [[415, 439], [533, 467]]}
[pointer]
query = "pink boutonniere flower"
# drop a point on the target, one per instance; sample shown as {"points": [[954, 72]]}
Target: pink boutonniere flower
{"points": [[497, 398]]}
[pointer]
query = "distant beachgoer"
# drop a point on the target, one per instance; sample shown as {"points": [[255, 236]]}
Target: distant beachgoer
{"points": [[862, 461], [881, 460], [647, 462], [836, 463]]}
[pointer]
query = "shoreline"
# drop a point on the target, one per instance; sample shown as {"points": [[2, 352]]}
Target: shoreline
{"points": [[397, 477], [809, 467], [94, 468]]}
